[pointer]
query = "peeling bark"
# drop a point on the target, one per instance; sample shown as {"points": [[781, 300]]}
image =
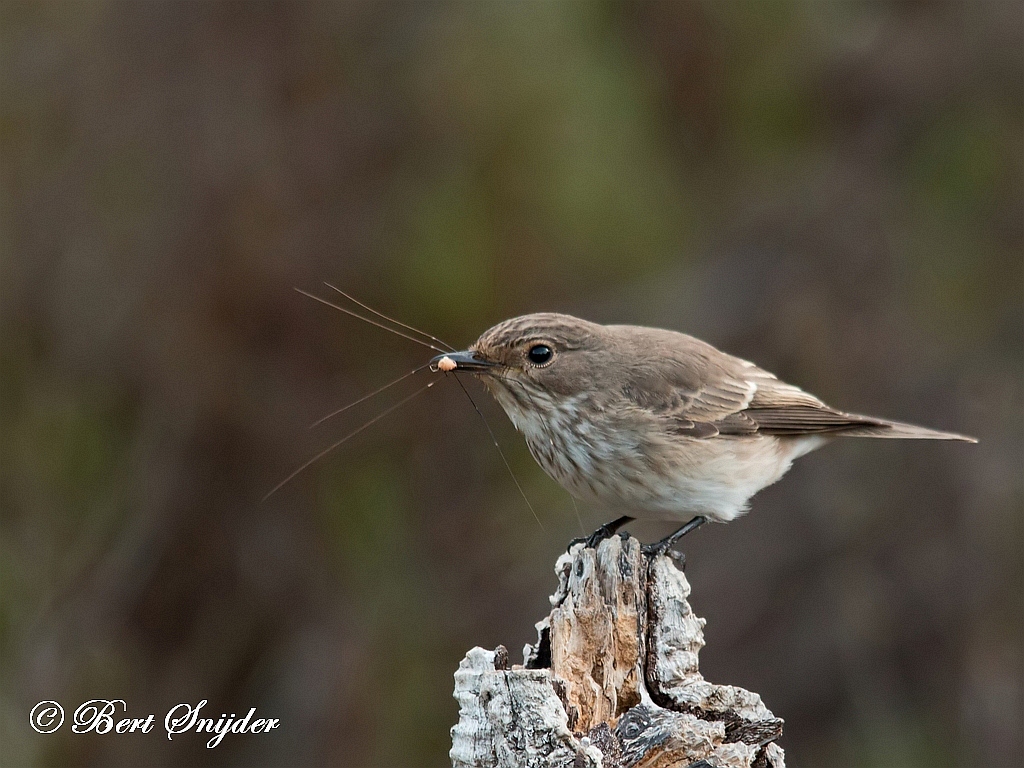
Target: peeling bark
{"points": [[612, 681]]}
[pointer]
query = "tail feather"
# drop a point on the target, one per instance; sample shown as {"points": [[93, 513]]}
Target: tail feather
{"points": [[900, 430]]}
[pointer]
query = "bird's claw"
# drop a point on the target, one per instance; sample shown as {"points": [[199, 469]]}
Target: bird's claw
{"points": [[606, 531], [657, 548], [664, 548], [591, 541]]}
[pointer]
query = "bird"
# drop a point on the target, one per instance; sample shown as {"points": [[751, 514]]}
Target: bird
{"points": [[654, 421]]}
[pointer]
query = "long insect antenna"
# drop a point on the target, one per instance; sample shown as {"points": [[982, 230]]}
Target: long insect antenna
{"points": [[364, 398], [576, 509], [354, 300], [372, 322], [501, 453], [349, 436]]}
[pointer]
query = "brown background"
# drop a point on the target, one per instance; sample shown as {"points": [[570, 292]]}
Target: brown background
{"points": [[832, 190]]}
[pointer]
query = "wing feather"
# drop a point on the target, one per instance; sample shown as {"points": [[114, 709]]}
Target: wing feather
{"points": [[736, 397], [701, 392]]}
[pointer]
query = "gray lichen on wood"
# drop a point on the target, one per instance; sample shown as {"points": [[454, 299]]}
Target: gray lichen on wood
{"points": [[612, 682]]}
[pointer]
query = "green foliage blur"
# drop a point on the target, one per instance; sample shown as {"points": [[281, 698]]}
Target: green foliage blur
{"points": [[830, 189]]}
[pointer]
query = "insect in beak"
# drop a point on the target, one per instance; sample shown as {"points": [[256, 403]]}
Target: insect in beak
{"points": [[460, 361]]}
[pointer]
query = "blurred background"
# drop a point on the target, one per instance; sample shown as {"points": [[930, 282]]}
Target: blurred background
{"points": [[832, 190]]}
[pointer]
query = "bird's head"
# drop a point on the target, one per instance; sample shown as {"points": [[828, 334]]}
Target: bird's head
{"points": [[540, 355]]}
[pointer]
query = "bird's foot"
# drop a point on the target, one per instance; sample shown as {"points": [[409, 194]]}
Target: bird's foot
{"points": [[662, 547], [591, 541], [606, 531], [659, 548]]}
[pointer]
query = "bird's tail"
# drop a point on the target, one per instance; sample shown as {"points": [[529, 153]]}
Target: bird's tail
{"points": [[900, 430]]}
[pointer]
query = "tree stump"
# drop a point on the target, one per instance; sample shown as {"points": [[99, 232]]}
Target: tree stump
{"points": [[612, 680]]}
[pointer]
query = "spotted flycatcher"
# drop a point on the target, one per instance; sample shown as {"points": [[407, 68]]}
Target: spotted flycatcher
{"points": [[652, 421]]}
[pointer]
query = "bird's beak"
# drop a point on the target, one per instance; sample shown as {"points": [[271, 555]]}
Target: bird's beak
{"points": [[460, 361]]}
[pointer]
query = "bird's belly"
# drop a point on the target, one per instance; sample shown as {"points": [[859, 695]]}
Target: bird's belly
{"points": [[666, 480], [716, 477]]}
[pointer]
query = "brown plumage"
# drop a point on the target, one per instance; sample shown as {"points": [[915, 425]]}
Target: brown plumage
{"points": [[654, 422]]}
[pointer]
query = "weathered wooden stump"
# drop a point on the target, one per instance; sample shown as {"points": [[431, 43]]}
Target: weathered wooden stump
{"points": [[612, 680]]}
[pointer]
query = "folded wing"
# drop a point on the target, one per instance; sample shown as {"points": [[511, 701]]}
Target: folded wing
{"points": [[738, 398]]}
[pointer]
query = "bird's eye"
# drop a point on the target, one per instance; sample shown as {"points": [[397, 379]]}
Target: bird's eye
{"points": [[540, 354]]}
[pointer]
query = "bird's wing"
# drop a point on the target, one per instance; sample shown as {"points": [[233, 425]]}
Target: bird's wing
{"points": [[699, 391], [777, 408], [738, 398], [759, 405]]}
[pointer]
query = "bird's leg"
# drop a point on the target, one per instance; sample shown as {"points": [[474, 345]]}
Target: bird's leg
{"points": [[663, 546], [606, 531]]}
